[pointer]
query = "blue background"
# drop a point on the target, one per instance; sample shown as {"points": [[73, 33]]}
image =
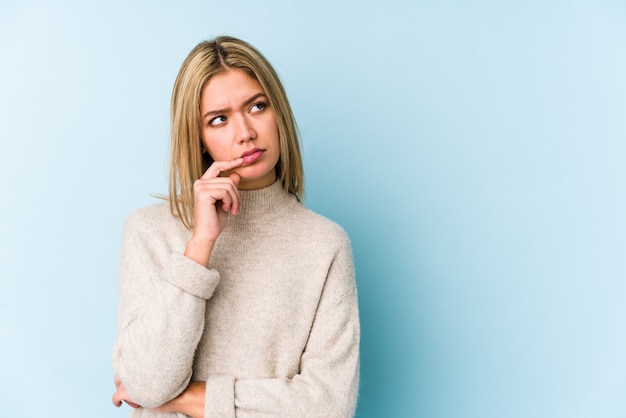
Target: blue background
{"points": [[473, 150]]}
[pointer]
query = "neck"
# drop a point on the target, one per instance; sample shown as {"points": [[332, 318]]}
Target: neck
{"points": [[266, 200]]}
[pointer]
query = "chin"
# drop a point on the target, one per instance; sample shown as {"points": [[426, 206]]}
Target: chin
{"points": [[252, 174]]}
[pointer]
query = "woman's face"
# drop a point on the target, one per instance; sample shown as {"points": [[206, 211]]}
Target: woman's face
{"points": [[238, 122]]}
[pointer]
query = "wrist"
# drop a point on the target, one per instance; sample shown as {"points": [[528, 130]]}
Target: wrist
{"points": [[192, 399], [199, 250]]}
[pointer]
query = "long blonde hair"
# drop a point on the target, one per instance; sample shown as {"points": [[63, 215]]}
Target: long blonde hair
{"points": [[206, 60]]}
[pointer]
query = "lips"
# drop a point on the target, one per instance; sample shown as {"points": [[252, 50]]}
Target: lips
{"points": [[252, 155]]}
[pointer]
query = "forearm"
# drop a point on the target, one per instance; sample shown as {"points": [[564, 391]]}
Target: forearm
{"points": [[190, 402], [302, 396], [153, 352], [160, 321], [326, 386]]}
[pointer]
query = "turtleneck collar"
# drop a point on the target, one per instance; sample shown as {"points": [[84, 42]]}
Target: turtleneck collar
{"points": [[268, 200]]}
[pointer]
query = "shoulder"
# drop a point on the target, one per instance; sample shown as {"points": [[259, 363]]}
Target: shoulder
{"points": [[149, 216], [154, 223], [320, 229], [328, 241]]}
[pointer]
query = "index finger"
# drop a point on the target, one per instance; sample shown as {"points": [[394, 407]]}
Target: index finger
{"points": [[218, 166]]}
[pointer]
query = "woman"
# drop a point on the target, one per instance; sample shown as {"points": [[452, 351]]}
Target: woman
{"points": [[235, 300]]}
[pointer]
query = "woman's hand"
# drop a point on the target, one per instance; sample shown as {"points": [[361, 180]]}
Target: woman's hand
{"points": [[214, 198], [190, 402], [121, 395]]}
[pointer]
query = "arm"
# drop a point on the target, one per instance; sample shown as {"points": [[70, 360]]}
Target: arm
{"points": [[163, 294], [327, 383], [160, 317]]}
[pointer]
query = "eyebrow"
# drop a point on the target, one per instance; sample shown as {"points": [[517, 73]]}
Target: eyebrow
{"points": [[226, 110]]}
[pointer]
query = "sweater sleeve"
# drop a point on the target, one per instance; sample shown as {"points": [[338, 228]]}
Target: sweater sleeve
{"points": [[161, 316], [327, 384]]}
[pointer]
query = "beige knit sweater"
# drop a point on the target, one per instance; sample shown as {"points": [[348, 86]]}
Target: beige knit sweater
{"points": [[272, 325]]}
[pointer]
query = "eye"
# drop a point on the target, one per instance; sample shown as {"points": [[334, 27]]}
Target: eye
{"points": [[218, 120], [258, 107]]}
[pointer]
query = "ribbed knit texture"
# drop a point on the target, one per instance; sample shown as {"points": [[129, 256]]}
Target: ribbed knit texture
{"points": [[272, 325]]}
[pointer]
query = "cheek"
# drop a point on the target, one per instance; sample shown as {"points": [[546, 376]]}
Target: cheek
{"points": [[271, 130], [213, 146]]}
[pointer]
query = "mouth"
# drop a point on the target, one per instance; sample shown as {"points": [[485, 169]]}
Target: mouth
{"points": [[252, 155]]}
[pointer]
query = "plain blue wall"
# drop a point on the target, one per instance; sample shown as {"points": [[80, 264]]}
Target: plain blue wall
{"points": [[473, 150]]}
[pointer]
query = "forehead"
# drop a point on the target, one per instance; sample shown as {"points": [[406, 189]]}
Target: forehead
{"points": [[227, 88]]}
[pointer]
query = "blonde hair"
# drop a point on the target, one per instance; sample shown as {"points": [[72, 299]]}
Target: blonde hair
{"points": [[187, 164]]}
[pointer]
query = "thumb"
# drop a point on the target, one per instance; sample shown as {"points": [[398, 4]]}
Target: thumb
{"points": [[235, 178]]}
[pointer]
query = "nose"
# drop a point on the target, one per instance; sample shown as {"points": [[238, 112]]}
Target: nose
{"points": [[244, 131]]}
